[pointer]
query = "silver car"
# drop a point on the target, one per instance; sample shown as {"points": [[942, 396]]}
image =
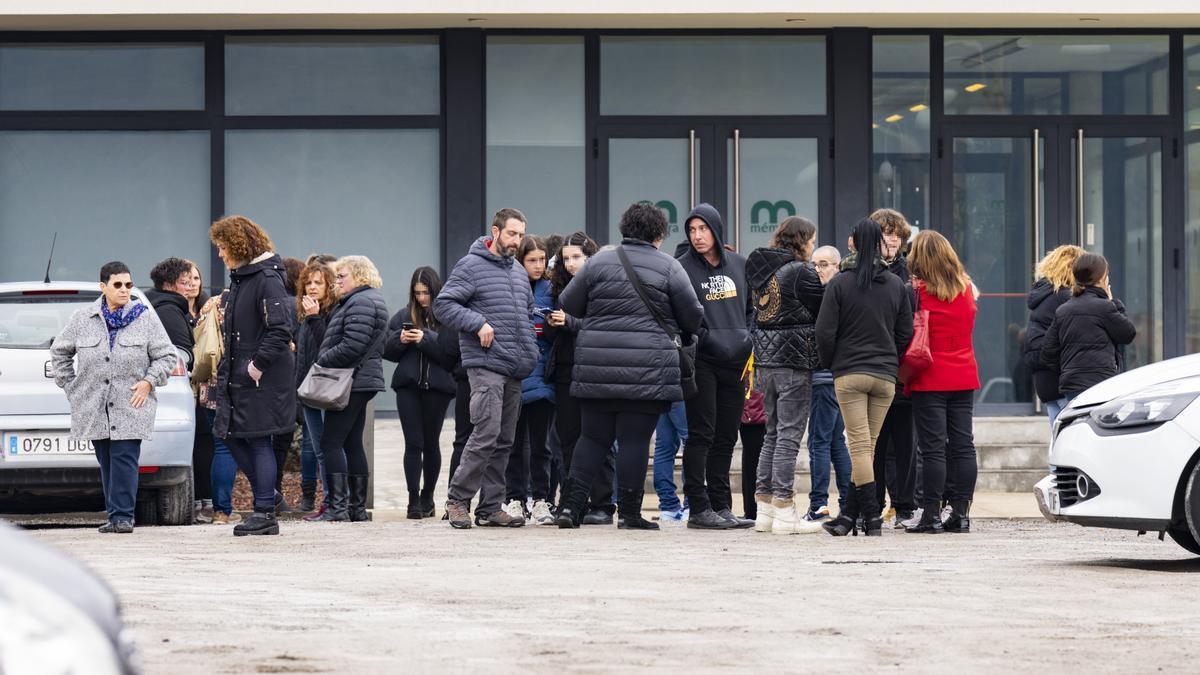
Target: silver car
{"points": [[38, 456]]}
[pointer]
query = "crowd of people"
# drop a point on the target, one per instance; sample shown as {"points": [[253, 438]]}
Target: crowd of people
{"points": [[564, 359]]}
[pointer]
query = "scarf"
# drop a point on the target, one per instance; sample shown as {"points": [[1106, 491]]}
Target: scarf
{"points": [[120, 318]]}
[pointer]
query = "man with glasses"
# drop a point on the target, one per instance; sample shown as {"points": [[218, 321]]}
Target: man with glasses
{"points": [[487, 298]]}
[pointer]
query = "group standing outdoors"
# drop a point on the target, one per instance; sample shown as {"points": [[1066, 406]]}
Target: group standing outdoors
{"points": [[564, 360]]}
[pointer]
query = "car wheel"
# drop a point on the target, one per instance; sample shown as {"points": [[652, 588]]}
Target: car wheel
{"points": [[146, 511], [1188, 535], [174, 504]]}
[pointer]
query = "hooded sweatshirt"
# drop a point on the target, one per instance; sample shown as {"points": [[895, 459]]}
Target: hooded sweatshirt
{"points": [[724, 338], [864, 331]]}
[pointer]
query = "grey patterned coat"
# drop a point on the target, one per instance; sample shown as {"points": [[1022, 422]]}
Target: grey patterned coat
{"points": [[100, 389]]}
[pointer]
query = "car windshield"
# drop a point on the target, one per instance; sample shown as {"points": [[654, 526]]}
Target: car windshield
{"points": [[31, 319]]}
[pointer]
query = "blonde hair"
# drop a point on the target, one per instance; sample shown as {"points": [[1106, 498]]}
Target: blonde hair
{"points": [[933, 261], [361, 270], [1057, 266]]}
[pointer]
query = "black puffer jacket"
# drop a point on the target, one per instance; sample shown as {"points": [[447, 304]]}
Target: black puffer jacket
{"points": [[418, 366], [309, 336], [620, 350], [1043, 302], [259, 321], [172, 310], [448, 340], [787, 297], [1083, 343], [560, 364], [354, 337]]}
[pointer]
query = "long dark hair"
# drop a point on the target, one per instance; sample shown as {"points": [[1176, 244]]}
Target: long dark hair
{"points": [[559, 276], [423, 318], [1088, 269], [868, 242]]}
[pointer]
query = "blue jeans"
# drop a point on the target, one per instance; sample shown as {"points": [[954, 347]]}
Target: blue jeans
{"points": [[826, 445], [1054, 408], [256, 458], [670, 433], [224, 472], [119, 476], [313, 427]]}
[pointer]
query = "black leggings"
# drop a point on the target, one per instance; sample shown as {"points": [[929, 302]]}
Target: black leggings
{"points": [[523, 478], [422, 412], [600, 427], [896, 443], [462, 425], [342, 438], [281, 443], [202, 455], [752, 443], [567, 422]]}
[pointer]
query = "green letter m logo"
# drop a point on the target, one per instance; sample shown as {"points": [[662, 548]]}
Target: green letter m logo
{"points": [[772, 211]]}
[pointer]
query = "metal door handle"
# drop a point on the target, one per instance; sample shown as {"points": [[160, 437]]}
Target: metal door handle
{"points": [[1037, 219], [1079, 187], [737, 189], [691, 169]]}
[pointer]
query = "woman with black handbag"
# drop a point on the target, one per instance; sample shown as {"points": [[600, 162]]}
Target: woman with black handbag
{"points": [[629, 364]]}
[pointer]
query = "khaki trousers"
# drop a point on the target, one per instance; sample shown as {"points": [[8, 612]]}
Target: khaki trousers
{"points": [[864, 400]]}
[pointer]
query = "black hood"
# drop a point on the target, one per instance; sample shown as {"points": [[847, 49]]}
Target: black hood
{"points": [[160, 298], [762, 264], [1042, 289], [708, 213], [272, 263]]}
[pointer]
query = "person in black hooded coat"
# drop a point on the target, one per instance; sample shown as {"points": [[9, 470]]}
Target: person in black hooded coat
{"points": [[714, 414], [1049, 292], [256, 389]]}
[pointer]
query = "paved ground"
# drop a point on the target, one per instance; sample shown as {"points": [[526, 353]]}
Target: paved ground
{"points": [[419, 597]]}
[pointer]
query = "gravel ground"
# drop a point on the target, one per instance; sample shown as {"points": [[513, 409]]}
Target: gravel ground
{"points": [[403, 596]]}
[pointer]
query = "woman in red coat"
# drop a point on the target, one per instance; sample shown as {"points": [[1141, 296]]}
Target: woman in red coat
{"points": [[944, 393]]}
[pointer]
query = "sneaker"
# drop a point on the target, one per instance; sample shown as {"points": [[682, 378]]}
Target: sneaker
{"points": [[738, 523], [818, 516], [459, 515], [542, 514], [676, 516], [106, 528], [765, 518], [788, 520], [708, 520], [912, 520], [203, 515], [902, 516], [123, 527], [220, 518], [514, 508], [499, 518]]}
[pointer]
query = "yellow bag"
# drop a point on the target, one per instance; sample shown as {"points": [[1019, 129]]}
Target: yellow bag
{"points": [[209, 349]]}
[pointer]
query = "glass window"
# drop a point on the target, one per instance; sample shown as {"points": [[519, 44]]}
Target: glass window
{"points": [[707, 75], [134, 196], [654, 171], [88, 76], [362, 75], [1056, 75], [900, 159], [344, 192], [1191, 48], [535, 130], [779, 179]]}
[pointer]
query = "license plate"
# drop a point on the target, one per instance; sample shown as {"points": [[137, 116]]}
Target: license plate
{"points": [[1053, 502], [26, 444]]}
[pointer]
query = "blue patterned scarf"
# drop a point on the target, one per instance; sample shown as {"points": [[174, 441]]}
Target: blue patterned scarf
{"points": [[120, 318]]}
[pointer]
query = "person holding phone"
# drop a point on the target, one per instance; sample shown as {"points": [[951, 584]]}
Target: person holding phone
{"points": [[423, 386]]}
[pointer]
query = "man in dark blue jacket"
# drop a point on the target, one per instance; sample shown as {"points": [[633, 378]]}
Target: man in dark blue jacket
{"points": [[488, 300], [714, 414]]}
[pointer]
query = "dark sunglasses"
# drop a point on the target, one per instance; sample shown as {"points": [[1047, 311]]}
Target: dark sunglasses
{"points": [[121, 284]]}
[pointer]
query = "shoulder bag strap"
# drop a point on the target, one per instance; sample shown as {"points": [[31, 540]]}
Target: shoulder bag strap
{"points": [[641, 291]]}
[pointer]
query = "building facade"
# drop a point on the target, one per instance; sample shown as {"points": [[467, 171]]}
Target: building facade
{"points": [[395, 135]]}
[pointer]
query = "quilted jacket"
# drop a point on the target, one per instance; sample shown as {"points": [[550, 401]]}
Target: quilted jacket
{"points": [[787, 298]]}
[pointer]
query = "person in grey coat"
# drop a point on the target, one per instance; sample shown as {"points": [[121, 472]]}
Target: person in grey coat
{"points": [[123, 355], [627, 369], [353, 339], [488, 300]]}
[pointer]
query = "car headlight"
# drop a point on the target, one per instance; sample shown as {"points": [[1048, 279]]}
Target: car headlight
{"points": [[1153, 405]]}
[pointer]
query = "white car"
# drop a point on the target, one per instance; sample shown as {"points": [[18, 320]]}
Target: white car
{"points": [[1124, 454], [38, 456]]}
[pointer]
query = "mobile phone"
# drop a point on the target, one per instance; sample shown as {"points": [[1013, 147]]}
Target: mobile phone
{"points": [[407, 325]]}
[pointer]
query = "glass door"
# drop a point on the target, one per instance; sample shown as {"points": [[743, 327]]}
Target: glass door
{"points": [[1116, 210], [993, 211]]}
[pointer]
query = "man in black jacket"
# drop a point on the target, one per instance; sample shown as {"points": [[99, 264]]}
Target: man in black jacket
{"points": [[714, 414], [168, 302]]}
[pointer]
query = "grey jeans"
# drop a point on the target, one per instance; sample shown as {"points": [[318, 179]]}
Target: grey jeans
{"points": [[787, 395], [495, 406]]}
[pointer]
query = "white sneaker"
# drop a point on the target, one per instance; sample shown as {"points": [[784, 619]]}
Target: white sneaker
{"points": [[916, 518], [541, 513], [514, 508], [765, 520], [788, 520], [818, 516]]}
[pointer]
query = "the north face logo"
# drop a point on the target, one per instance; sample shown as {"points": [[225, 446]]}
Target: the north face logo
{"points": [[719, 287]]}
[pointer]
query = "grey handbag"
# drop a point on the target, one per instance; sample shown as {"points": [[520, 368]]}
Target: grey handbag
{"points": [[326, 388]]}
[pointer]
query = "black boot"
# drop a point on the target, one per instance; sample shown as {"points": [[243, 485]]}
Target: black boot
{"points": [[629, 506], [427, 510], [260, 522], [281, 503], [414, 505], [570, 511], [869, 506], [358, 497], [931, 522], [339, 499], [308, 495], [847, 517], [959, 521]]}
